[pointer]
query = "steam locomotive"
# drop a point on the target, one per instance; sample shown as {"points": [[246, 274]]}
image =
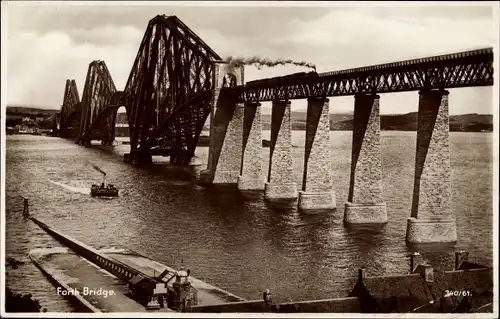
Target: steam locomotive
{"points": [[287, 79]]}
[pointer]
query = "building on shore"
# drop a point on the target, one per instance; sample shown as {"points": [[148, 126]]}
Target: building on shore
{"points": [[465, 289]]}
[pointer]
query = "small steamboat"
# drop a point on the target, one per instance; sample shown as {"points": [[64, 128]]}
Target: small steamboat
{"points": [[104, 189]]}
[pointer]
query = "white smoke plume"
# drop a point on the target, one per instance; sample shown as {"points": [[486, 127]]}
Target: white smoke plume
{"points": [[96, 168], [261, 62]]}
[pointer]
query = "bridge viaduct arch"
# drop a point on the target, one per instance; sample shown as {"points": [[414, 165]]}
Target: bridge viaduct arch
{"points": [[235, 156], [102, 128], [431, 218]]}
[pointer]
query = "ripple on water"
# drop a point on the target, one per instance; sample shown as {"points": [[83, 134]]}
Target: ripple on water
{"points": [[230, 239]]}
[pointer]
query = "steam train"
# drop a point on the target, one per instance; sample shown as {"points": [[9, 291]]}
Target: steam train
{"points": [[287, 79]]}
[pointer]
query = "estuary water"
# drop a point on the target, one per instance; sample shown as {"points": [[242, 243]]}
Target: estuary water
{"points": [[234, 240]]}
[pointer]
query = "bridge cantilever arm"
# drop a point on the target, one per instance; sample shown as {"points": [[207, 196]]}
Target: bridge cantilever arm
{"points": [[188, 42], [159, 130], [196, 37], [111, 107]]}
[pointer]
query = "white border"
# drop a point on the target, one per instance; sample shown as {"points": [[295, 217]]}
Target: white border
{"points": [[496, 113], [496, 104], [261, 3], [3, 100]]}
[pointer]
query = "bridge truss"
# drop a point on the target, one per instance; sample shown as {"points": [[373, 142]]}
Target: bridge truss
{"points": [[70, 114], [170, 88], [167, 96], [464, 69], [98, 94]]}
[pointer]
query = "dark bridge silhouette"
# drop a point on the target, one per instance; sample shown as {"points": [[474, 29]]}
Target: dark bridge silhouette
{"points": [[177, 81], [167, 95], [169, 91], [471, 68]]}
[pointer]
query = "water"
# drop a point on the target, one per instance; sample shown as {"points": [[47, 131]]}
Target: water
{"points": [[233, 240]]}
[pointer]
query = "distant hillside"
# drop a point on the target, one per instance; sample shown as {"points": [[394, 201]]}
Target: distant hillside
{"points": [[471, 123], [29, 111], [299, 121], [338, 122], [29, 116], [401, 122]]}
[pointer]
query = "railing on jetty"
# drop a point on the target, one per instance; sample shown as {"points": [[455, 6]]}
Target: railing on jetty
{"points": [[110, 264], [113, 266]]}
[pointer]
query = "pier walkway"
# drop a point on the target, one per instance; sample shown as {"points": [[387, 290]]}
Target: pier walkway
{"points": [[80, 270], [77, 278], [207, 294]]}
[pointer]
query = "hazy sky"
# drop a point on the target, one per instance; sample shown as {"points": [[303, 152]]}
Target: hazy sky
{"points": [[48, 43]]}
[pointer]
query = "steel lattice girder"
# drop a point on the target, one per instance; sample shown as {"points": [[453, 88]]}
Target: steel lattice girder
{"points": [[97, 94], [72, 125], [103, 126], [464, 69], [180, 132], [172, 67], [71, 103]]}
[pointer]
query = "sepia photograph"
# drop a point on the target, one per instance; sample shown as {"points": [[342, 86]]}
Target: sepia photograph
{"points": [[249, 158]]}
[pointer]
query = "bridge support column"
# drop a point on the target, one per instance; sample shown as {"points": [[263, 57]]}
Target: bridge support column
{"points": [[317, 184], [252, 171], [365, 202], [136, 157], [280, 184], [431, 218], [226, 131], [107, 142], [182, 160]]}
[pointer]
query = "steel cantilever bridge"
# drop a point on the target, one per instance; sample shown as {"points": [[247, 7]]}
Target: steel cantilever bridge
{"points": [[170, 89]]}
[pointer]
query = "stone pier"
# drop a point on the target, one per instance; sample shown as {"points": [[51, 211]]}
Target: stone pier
{"points": [[317, 185], [365, 202], [280, 184], [432, 219], [226, 130], [224, 158], [252, 170], [136, 157], [181, 159]]}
